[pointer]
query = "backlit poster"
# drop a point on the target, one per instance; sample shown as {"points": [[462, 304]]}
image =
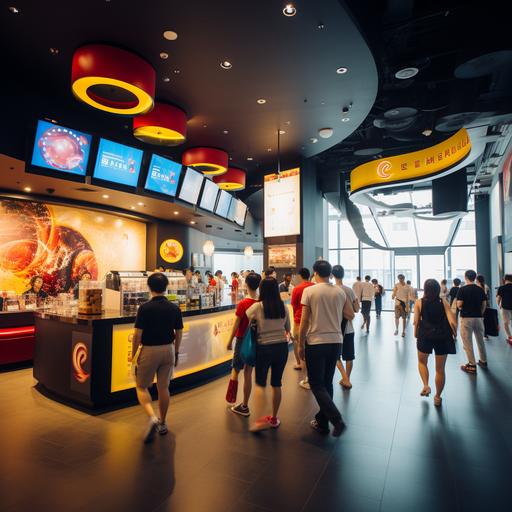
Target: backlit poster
{"points": [[507, 204], [282, 203], [163, 176]]}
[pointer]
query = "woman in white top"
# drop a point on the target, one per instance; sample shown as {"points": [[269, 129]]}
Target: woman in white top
{"points": [[273, 325]]}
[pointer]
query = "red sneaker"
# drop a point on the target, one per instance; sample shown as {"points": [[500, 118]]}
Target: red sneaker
{"points": [[274, 421], [232, 392]]}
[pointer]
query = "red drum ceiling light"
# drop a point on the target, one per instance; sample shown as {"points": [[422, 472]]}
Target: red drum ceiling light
{"points": [[165, 125], [113, 80], [233, 180], [210, 161]]}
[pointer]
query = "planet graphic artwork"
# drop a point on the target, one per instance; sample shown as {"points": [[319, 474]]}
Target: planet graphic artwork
{"points": [[63, 149]]}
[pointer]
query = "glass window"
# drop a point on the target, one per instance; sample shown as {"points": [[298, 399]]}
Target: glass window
{"points": [[349, 259], [407, 266], [369, 225], [433, 232], [466, 232], [334, 257], [399, 231], [462, 259], [348, 239], [333, 234], [431, 267], [377, 264]]}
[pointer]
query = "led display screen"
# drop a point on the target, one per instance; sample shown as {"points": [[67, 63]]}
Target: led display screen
{"points": [[163, 176], [240, 212], [61, 149], [223, 204], [191, 186], [118, 163], [209, 197]]}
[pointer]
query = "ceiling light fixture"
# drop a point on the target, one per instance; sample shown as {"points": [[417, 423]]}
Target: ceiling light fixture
{"points": [[341, 70], [345, 119], [250, 158], [177, 71], [405, 73], [54, 51], [269, 149], [27, 189], [261, 101], [325, 133], [140, 204], [105, 196], [192, 222], [313, 140], [14, 10], [132, 207], [427, 132], [170, 35], [164, 55], [225, 64], [166, 79], [225, 132], [289, 10], [281, 132], [176, 213]]}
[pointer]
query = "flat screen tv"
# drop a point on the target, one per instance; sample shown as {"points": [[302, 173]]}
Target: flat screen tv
{"points": [[191, 186], [222, 208], [61, 149], [209, 196], [118, 163], [163, 176], [240, 213]]}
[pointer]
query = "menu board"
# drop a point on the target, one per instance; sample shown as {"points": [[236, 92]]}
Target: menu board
{"points": [[222, 208], [209, 197], [163, 176], [118, 163], [282, 203], [191, 186], [61, 149], [282, 256], [239, 210]]}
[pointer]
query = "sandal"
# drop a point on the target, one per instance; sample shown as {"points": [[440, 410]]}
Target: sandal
{"points": [[346, 386], [425, 391], [438, 401]]}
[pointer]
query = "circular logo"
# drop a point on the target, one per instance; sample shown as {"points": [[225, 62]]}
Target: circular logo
{"points": [[383, 168], [171, 250], [78, 359]]}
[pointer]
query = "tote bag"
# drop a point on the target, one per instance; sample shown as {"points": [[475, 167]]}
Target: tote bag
{"points": [[248, 347]]}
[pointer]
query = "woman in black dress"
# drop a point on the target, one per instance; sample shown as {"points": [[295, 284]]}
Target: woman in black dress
{"points": [[435, 328]]}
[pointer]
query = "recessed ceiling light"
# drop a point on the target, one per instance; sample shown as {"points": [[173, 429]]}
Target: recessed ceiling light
{"points": [[231, 158], [140, 204], [14, 10], [54, 51], [132, 207], [281, 132], [170, 35], [345, 119], [289, 10], [225, 132], [342, 70], [325, 133], [27, 189], [250, 158], [321, 26], [105, 196], [176, 213], [192, 222], [269, 149], [99, 219], [287, 123], [205, 126], [164, 55], [177, 71], [313, 140], [261, 101], [427, 132], [166, 79], [405, 73], [225, 64]]}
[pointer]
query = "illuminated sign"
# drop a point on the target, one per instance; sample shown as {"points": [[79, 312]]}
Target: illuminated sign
{"points": [[171, 250], [282, 203], [418, 165]]}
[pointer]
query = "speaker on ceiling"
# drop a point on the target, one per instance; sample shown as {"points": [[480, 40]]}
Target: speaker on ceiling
{"points": [[450, 193]]}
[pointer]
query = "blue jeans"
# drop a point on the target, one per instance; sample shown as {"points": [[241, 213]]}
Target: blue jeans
{"points": [[378, 304]]}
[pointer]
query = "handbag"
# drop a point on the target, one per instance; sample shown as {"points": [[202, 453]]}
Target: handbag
{"points": [[434, 332], [248, 347], [491, 323]]}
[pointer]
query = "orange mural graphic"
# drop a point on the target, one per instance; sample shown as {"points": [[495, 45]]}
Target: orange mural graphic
{"points": [[78, 359]]}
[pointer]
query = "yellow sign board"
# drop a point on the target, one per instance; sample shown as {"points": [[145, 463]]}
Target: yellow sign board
{"points": [[411, 166], [171, 250]]}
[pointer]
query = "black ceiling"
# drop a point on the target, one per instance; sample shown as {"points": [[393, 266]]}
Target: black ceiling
{"points": [[291, 62]]}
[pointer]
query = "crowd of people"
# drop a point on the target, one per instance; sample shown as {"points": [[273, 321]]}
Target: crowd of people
{"points": [[320, 326]]}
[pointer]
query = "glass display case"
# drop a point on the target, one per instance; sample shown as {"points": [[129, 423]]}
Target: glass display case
{"points": [[90, 298]]}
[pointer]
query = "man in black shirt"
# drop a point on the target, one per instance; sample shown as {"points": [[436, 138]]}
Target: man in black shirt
{"points": [[504, 300], [156, 345], [471, 301], [452, 297]]}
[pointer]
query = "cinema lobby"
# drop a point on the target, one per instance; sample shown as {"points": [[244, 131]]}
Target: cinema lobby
{"points": [[256, 257]]}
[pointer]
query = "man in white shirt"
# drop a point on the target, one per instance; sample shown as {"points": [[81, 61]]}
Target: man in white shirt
{"points": [[367, 295], [402, 295], [320, 339], [357, 287]]}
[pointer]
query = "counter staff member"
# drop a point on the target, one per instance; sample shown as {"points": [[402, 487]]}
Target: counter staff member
{"points": [[36, 286], [156, 345]]}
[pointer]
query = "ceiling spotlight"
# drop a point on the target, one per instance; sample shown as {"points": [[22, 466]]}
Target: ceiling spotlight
{"points": [[320, 26], [205, 126], [27, 189], [166, 79], [261, 101], [105, 196], [325, 133], [342, 70], [250, 158], [99, 219], [225, 64], [177, 71], [289, 10], [405, 73], [313, 140], [427, 132], [269, 149], [54, 51], [170, 35], [140, 204], [132, 207], [14, 10], [192, 222], [176, 213], [281, 132], [287, 123], [345, 119], [164, 55], [225, 132]]}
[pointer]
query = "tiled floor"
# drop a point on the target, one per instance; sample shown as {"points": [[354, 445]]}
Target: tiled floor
{"points": [[399, 453]]}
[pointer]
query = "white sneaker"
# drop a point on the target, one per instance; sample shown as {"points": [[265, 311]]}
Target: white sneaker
{"points": [[151, 430], [304, 384], [162, 428]]}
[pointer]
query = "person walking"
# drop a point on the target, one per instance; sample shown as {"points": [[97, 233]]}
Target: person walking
{"points": [[303, 278], [156, 345], [402, 295], [379, 292], [320, 340], [356, 287], [412, 300], [452, 297], [480, 281], [367, 295], [273, 326], [443, 293], [504, 300], [347, 330], [252, 282], [435, 328], [472, 302]]}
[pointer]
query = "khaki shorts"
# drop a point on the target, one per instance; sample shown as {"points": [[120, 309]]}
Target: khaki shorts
{"points": [[506, 314], [400, 311], [153, 360]]}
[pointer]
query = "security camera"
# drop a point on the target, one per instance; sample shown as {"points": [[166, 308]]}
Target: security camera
{"points": [[50, 190]]}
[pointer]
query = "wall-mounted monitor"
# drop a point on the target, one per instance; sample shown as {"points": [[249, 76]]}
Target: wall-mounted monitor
{"points": [[61, 149], [191, 186], [240, 213], [118, 163], [222, 208], [209, 196], [163, 176]]}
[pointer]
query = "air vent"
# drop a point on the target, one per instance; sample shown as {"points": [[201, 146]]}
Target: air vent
{"points": [[85, 189]]}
